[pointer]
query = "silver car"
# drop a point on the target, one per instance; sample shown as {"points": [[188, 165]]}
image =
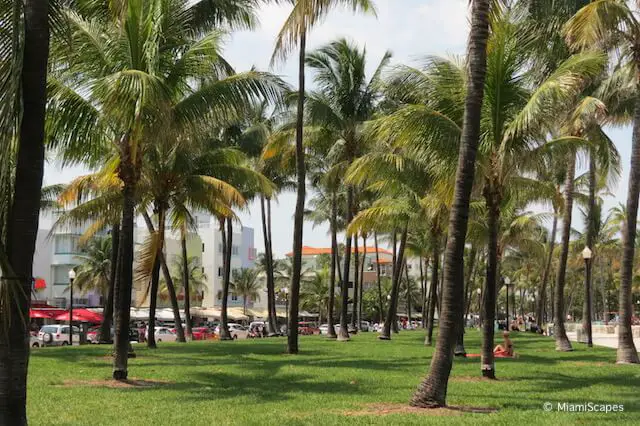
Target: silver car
{"points": [[57, 335]]}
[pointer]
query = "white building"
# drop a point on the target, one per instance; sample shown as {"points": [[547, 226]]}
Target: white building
{"points": [[57, 252]]}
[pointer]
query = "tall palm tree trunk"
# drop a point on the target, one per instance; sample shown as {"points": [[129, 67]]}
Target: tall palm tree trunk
{"points": [[343, 334], [627, 353], [227, 241], [331, 333], [273, 313], [124, 282], [105, 327], [395, 289], [271, 318], [364, 258], [547, 270], [378, 278], [185, 280], [433, 390], [23, 217], [492, 198], [562, 342], [294, 290], [406, 272], [423, 294], [356, 281], [433, 288], [591, 229]]}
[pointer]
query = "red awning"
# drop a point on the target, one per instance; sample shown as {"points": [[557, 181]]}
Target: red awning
{"points": [[43, 313], [82, 315]]}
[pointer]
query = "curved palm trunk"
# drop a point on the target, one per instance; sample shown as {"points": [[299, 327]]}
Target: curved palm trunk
{"points": [[331, 333], [627, 353], [23, 217], [105, 327], [343, 335], [171, 289], [155, 277], [227, 241], [271, 318], [356, 282], [586, 307], [433, 390], [547, 270], [294, 290], [489, 308], [423, 294], [562, 342], [433, 288], [406, 272], [395, 289], [185, 280], [378, 279]]}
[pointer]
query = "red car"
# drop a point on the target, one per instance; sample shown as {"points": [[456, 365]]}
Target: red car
{"points": [[202, 333], [307, 328]]}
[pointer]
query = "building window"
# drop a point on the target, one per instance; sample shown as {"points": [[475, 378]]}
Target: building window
{"points": [[61, 274], [234, 296], [234, 250], [203, 247], [219, 271], [219, 247], [203, 269], [66, 244], [253, 253]]}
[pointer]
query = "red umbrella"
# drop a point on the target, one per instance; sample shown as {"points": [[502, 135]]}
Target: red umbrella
{"points": [[82, 315], [40, 313]]}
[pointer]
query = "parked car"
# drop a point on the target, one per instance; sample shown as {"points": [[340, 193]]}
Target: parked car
{"points": [[92, 335], [324, 329], [237, 331], [307, 328], [57, 335], [163, 334], [34, 342], [201, 333]]}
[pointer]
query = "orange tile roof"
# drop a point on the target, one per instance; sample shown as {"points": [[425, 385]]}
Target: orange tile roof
{"points": [[311, 251]]}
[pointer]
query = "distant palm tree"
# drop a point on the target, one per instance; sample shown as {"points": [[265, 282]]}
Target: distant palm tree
{"points": [[197, 278], [314, 294], [94, 271], [246, 284]]}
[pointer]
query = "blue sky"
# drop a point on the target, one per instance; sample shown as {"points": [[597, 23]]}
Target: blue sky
{"points": [[410, 29]]}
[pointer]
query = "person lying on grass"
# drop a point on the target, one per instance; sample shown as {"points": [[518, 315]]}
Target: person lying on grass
{"points": [[506, 348]]}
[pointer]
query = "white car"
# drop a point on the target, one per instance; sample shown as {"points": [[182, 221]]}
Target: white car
{"points": [[34, 342], [324, 329], [57, 335], [237, 331], [163, 334]]}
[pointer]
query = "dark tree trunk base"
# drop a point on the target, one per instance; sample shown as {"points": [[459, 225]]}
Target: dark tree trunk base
{"points": [[426, 403], [563, 345], [332, 336], [384, 337], [462, 354], [343, 338], [119, 375], [428, 341], [489, 374], [627, 356], [226, 338]]}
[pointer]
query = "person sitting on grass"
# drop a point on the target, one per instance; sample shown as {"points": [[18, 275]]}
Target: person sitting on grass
{"points": [[506, 349]]}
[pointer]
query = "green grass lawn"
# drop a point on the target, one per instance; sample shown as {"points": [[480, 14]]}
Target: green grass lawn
{"points": [[365, 381]]}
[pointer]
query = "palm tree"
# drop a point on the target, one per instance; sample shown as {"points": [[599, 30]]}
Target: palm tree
{"points": [[314, 294], [22, 127], [303, 17], [613, 23], [147, 97], [247, 285], [95, 267], [433, 390], [196, 278]]}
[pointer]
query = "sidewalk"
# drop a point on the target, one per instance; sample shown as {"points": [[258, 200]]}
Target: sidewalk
{"points": [[608, 340]]}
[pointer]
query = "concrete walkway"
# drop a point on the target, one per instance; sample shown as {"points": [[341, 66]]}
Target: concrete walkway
{"points": [[608, 340]]}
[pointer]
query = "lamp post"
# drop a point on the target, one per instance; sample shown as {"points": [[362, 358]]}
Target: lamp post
{"points": [[507, 282], [286, 307], [72, 277], [586, 312]]}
